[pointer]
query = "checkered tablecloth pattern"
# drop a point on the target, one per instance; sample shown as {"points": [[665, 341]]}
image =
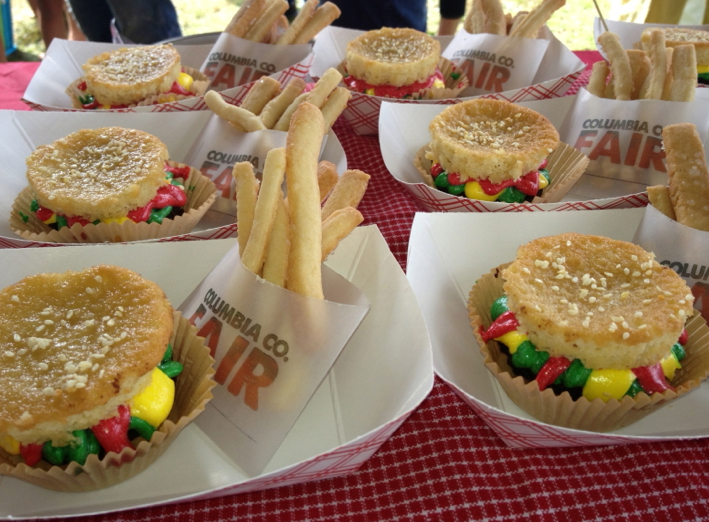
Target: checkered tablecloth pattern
{"points": [[444, 463]]}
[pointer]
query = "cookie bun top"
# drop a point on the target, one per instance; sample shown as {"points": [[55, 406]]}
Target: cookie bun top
{"points": [[676, 36], [74, 346], [98, 173], [490, 139], [395, 57], [600, 300], [131, 74]]}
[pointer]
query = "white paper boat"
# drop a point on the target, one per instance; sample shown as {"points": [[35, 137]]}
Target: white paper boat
{"points": [[558, 71], [448, 252], [403, 130], [22, 131], [382, 375], [62, 65]]}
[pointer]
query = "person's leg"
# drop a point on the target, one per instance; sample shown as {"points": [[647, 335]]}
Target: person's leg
{"points": [[665, 11], [75, 33], [146, 21], [51, 20], [94, 19]]}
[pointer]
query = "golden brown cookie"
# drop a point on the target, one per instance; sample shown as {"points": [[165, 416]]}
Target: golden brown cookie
{"points": [[490, 139], [395, 57], [130, 74], [600, 300], [74, 346], [98, 173]]}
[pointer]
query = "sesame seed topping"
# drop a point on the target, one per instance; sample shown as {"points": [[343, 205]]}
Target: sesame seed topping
{"points": [[69, 314], [601, 309], [15, 299], [8, 353], [98, 279], [526, 270], [638, 314], [17, 338], [626, 335], [61, 357], [43, 366], [555, 288], [625, 295], [40, 328], [48, 391], [89, 290]]}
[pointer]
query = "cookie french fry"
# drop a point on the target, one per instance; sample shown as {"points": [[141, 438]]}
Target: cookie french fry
{"points": [[659, 196], [275, 267], [641, 66], [658, 57], [620, 65], [240, 118], [283, 122], [277, 106], [518, 19], [597, 81], [536, 18], [246, 195], [323, 16], [475, 21], [684, 73], [335, 104], [327, 178], [304, 15], [495, 22], [325, 85], [348, 192], [338, 226], [262, 92], [688, 174], [247, 19], [265, 211], [237, 16], [669, 53], [302, 151], [270, 15]]}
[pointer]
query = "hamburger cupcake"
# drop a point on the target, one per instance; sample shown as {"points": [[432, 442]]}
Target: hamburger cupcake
{"points": [[588, 332], [92, 377], [401, 64], [108, 184], [131, 76], [494, 150]]}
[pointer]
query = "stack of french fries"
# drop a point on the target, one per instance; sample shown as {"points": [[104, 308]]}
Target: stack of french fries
{"points": [[685, 197], [488, 16], [285, 240], [656, 73], [265, 21], [267, 106]]}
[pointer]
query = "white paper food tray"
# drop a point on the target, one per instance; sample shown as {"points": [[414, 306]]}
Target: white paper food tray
{"points": [[22, 131], [62, 65], [382, 375], [449, 252], [558, 71], [403, 130]]}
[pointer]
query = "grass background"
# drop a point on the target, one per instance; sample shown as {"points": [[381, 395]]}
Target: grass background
{"points": [[572, 24]]}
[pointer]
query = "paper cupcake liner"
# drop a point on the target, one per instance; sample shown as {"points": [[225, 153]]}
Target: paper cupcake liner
{"points": [[453, 85], [201, 194], [581, 414], [198, 88], [566, 166], [192, 392]]}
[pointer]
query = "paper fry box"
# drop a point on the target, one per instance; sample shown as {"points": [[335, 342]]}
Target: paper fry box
{"points": [[684, 249], [234, 61], [272, 348], [556, 70], [449, 252], [61, 67], [404, 132], [22, 131], [623, 140]]}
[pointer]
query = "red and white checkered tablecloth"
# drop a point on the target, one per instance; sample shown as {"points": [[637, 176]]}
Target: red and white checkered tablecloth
{"points": [[444, 463]]}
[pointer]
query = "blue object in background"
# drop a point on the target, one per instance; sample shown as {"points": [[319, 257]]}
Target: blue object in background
{"points": [[6, 26]]}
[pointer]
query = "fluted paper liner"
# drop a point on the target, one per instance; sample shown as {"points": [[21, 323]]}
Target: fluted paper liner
{"points": [[201, 194], [199, 86], [453, 86], [566, 166], [192, 392], [581, 414]]}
